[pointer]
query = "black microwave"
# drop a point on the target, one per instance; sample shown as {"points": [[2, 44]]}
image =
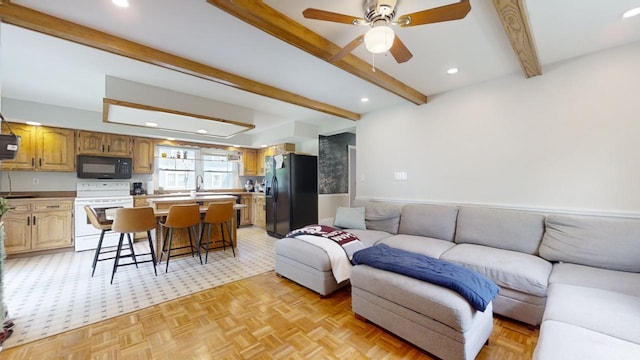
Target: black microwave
{"points": [[103, 167]]}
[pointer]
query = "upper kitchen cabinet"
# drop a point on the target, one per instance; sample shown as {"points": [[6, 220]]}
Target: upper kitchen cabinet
{"points": [[142, 154], [249, 162], [95, 143], [271, 151], [42, 148]]}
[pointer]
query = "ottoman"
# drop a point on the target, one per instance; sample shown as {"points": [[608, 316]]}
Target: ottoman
{"points": [[306, 264], [434, 318]]}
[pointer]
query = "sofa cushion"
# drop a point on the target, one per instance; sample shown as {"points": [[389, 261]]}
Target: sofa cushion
{"points": [[604, 311], [510, 269], [350, 218], [619, 281], [303, 252], [380, 216], [559, 340], [430, 300], [434, 221], [503, 229], [418, 244], [607, 243], [369, 237]]}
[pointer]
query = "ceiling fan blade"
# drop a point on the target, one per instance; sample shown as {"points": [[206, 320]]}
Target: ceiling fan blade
{"points": [[331, 16], [400, 51], [347, 49], [443, 13]]}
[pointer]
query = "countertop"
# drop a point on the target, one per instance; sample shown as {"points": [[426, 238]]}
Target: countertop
{"points": [[183, 194], [172, 199]]}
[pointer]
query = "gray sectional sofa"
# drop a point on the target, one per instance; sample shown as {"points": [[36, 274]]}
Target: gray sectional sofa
{"points": [[578, 277]]}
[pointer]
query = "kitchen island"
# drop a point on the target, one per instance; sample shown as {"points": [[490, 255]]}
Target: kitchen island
{"points": [[161, 207]]}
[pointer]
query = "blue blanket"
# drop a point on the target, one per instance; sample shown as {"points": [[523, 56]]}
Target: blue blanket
{"points": [[473, 286]]}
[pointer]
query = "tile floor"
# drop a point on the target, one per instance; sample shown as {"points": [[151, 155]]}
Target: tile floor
{"points": [[50, 294]]}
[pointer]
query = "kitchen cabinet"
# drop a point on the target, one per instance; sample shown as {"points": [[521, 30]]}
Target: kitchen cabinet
{"points": [[42, 148], [271, 151], [259, 210], [38, 224], [245, 213], [142, 154], [249, 162], [261, 153], [96, 143]]}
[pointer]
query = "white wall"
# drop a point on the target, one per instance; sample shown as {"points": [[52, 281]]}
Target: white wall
{"points": [[328, 203], [566, 140]]}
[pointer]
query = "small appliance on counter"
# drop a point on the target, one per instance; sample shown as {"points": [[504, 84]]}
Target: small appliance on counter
{"points": [[137, 188], [249, 185]]}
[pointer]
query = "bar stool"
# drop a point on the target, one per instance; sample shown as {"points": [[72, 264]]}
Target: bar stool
{"points": [[217, 213], [103, 226], [133, 220], [180, 216]]}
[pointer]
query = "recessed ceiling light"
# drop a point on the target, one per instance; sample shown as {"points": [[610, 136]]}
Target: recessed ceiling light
{"points": [[364, 99], [201, 131], [33, 123], [151, 124], [632, 12], [121, 3], [452, 71], [170, 138], [263, 146]]}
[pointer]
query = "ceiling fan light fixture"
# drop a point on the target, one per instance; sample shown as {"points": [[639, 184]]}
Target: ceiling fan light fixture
{"points": [[379, 39]]}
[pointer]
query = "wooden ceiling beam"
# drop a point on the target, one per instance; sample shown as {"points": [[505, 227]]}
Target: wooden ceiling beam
{"points": [[266, 18], [50, 25], [513, 15]]}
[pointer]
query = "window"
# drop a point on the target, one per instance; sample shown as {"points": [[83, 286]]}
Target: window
{"points": [[218, 172], [179, 167]]}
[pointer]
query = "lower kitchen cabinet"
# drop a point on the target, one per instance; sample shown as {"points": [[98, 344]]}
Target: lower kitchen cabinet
{"points": [[259, 211], [245, 213], [38, 224]]}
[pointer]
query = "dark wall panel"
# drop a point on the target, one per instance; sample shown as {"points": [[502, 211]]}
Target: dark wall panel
{"points": [[333, 167]]}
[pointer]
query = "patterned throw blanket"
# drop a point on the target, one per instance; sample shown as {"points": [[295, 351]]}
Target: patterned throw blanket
{"points": [[349, 242]]}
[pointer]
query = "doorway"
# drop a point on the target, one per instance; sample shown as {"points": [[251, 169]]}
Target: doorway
{"points": [[352, 174]]}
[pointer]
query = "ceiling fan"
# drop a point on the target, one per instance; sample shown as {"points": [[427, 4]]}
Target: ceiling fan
{"points": [[379, 14]]}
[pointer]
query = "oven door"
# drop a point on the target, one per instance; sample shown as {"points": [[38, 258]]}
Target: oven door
{"points": [[83, 224], [87, 236]]}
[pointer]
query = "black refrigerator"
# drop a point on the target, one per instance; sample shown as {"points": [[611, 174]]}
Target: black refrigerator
{"points": [[291, 192]]}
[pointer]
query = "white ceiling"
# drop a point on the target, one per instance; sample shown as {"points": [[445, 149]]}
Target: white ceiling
{"points": [[48, 70]]}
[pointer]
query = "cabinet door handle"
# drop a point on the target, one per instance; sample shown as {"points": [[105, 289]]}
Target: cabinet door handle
{"points": [[40, 162], [33, 162], [108, 148], [102, 148], [34, 220], [53, 206]]}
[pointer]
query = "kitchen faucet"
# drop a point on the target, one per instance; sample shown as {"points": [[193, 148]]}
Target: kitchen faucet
{"points": [[199, 183]]}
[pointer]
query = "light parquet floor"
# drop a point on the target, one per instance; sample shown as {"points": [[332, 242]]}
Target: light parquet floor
{"points": [[261, 317]]}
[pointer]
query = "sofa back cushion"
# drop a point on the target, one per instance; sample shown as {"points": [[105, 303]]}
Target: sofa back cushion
{"points": [[434, 221], [607, 243], [380, 216], [503, 229]]}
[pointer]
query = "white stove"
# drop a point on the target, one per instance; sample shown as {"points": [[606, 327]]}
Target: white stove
{"points": [[101, 196]]}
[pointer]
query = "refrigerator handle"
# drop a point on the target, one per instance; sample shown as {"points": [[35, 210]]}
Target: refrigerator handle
{"points": [[274, 188]]}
